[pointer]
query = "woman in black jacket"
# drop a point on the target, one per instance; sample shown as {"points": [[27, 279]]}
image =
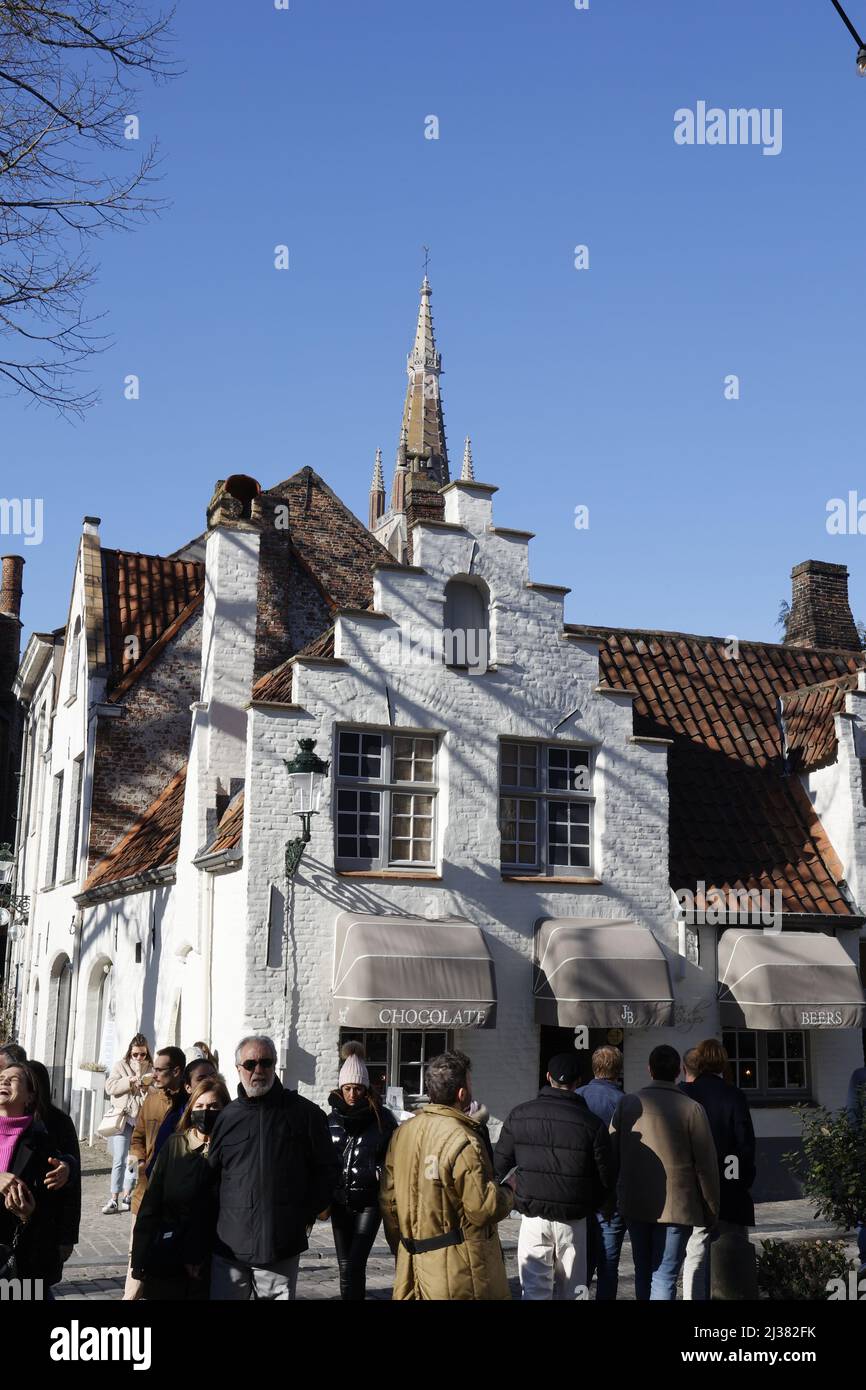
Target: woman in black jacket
{"points": [[64, 1137], [361, 1130], [29, 1211], [176, 1222]]}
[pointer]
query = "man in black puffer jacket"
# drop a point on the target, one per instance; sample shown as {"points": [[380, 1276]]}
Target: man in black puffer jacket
{"points": [[565, 1172], [277, 1172]]}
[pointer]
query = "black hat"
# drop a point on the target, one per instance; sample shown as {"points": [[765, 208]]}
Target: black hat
{"points": [[564, 1068]]}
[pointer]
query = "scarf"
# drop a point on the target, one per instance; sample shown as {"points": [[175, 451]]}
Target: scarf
{"points": [[11, 1129], [355, 1118]]}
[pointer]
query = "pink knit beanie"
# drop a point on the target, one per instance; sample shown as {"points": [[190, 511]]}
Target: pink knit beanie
{"points": [[353, 1072]]}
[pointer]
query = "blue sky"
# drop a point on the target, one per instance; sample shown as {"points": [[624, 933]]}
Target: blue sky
{"points": [[602, 387]]}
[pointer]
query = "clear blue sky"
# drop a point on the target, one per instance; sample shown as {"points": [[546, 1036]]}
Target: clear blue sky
{"points": [[602, 387]]}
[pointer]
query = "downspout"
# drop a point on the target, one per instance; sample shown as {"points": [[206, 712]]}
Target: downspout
{"points": [[208, 957]]}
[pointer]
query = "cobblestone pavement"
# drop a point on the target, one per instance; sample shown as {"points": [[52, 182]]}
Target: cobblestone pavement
{"points": [[97, 1268]]}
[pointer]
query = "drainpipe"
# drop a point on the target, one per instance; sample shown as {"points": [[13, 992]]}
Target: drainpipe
{"points": [[75, 928], [207, 962]]}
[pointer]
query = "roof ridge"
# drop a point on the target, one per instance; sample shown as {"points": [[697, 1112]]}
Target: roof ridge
{"points": [[603, 630]]}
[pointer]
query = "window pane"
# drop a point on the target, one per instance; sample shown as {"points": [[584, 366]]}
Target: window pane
{"points": [[411, 1045], [348, 762], [796, 1074], [410, 1079], [568, 770], [358, 824], [747, 1076], [748, 1044], [411, 828], [434, 1045], [775, 1045], [775, 1076], [729, 1043], [517, 821], [568, 833], [519, 765], [371, 755], [413, 759], [795, 1044]]}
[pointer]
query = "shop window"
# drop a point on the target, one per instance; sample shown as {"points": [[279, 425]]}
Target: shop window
{"points": [[386, 797], [546, 809], [769, 1066], [397, 1056]]}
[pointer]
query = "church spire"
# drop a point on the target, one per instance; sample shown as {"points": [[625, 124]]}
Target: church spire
{"points": [[377, 492], [423, 421], [468, 473]]}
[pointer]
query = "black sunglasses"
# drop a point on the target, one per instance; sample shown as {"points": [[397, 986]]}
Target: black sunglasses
{"points": [[252, 1062]]}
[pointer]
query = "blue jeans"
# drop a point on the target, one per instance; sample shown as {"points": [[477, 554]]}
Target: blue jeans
{"points": [[659, 1250], [119, 1150], [605, 1245]]}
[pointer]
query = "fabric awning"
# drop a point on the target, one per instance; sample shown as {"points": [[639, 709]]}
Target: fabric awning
{"points": [[600, 972], [787, 979], [410, 972]]}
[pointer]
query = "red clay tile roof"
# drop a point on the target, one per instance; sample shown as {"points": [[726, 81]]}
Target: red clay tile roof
{"points": [[276, 687], [144, 596], [809, 719], [735, 819], [151, 843], [230, 830]]}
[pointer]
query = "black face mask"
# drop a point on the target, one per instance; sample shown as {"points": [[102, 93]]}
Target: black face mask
{"points": [[204, 1120]]}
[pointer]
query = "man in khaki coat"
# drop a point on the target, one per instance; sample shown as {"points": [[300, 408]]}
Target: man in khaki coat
{"points": [[440, 1201], [668, 1174]]}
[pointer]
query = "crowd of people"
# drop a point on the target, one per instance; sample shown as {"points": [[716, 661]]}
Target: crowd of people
{"points": [[224, 1193]]}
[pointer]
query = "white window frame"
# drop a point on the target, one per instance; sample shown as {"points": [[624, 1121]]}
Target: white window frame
{"points": [[542, 795], [386, 786], [392, 1065]]}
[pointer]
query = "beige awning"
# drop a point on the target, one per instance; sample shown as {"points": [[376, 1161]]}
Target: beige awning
{"points": [[410, 972], [600, 973], [787, 979]]}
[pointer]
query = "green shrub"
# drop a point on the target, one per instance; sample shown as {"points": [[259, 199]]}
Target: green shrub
{"points": [[832, 1166], [797, 1270]]}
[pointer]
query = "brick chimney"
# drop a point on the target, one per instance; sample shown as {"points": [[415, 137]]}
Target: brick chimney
{"points": [[10, 585], [820, 612], [424, 502]]}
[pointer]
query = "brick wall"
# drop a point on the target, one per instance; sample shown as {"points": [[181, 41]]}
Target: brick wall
{"points": [[139, 752]]}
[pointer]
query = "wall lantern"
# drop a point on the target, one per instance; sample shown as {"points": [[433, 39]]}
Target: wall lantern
{"points": [[307, 773], [861, 47]]}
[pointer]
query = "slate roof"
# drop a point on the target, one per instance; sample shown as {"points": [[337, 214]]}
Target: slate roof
{"points": [[144, 596], [151, 843], [736, 820]]}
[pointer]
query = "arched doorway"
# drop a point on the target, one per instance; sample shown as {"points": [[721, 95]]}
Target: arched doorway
{"points": [[61, 986]]}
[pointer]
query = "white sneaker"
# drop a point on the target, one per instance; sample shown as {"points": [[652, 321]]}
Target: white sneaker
{"points": [[125, 1202], [110, 1208]]}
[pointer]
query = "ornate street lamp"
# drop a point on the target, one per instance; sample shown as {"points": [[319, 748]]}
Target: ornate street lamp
{"points": [[12, 909], [307, 773], [861, 47]]}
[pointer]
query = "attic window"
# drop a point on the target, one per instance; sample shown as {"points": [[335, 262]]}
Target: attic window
{"points": [[467, 625], [244, 490]]}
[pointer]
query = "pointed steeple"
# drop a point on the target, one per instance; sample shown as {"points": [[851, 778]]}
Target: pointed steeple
{"points": [[377, 492], [467, 474], [423, 420]]}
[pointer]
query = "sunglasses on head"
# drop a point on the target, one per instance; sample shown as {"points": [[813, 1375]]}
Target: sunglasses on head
{"points": [[252, 1062]]}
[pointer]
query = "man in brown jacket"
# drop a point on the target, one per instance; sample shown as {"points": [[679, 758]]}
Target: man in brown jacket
{"points": [[167, 1078], [440, 1201], [668, 1174]]}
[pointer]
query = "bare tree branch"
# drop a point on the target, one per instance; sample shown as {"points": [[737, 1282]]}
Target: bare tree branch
{"points": [[68, 72]]}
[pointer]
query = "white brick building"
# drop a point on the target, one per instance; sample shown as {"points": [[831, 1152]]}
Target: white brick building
{"points": [[491, 813]]}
